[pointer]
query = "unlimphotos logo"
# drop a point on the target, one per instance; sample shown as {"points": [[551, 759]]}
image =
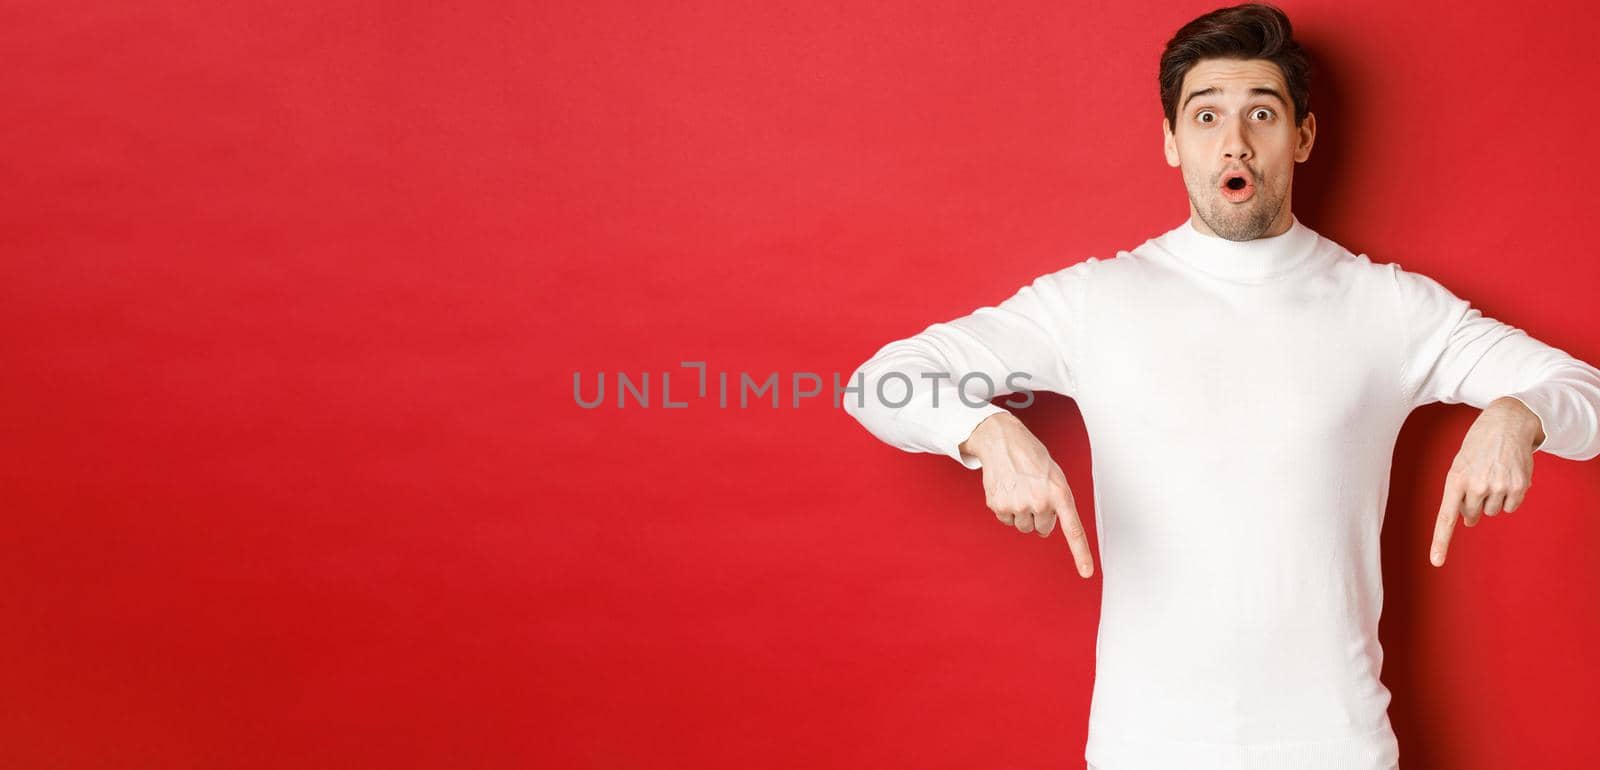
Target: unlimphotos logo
{"points": [[892, 389]]}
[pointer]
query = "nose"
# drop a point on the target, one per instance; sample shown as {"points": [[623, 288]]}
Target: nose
{"points": [[1235, 145]]}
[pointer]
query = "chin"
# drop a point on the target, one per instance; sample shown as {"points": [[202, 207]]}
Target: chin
{"points": [[1242, 221]]}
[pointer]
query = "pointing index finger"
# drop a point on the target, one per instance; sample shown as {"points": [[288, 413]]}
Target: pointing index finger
{"points": [[1077, 538], [1445, 524]]}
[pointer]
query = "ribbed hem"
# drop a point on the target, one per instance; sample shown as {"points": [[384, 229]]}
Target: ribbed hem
{"points": [[1375, 750]]}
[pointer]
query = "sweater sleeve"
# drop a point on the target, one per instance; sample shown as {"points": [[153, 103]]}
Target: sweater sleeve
{"points": [[927, 392], [1455, 354]]}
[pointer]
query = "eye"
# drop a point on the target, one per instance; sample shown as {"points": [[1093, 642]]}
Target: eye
{"points": [[1260, 110], [1201, 114]]}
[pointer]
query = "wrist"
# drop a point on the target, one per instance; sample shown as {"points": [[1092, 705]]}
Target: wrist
{"points": [[1531, 427], [985, 434]]}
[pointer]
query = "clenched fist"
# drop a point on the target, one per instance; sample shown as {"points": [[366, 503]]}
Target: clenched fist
{"points": [[1024, 486]]}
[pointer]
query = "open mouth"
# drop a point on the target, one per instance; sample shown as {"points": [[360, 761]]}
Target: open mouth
{"points": [[1237, 186]]}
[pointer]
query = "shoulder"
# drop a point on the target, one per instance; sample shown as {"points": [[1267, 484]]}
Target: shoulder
{"points": [[1408, 287], [1132, 264], [1420, 306], [1413, 288], [1071, 278]]}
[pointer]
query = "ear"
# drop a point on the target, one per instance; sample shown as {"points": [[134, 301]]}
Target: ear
{"points": [[1169, 143], [1305, 136]]}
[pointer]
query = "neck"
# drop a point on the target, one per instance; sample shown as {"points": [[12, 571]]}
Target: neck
{"points": [[1252, 261]]}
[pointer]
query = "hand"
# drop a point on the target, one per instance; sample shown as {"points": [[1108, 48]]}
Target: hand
{"points": [[1491, 473], [1024, 486]]}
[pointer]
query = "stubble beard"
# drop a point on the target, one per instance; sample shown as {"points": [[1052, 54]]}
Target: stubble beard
{"points": [[1239, 221]]}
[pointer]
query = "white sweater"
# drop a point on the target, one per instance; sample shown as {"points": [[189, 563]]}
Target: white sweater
{"points": [[1242, 401]]}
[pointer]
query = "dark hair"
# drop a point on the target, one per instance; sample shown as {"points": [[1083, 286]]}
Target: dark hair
{"points": [[1248, 31]]}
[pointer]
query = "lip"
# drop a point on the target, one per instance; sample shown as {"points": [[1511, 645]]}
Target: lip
{"points": [[1240, 195]]}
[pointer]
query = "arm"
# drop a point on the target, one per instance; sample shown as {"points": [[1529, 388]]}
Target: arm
{"points": [[1455, 354], [1024, 343], [946, 410]]}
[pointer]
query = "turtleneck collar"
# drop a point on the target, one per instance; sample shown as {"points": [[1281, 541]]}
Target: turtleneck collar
{"points": [[1252, 261]]}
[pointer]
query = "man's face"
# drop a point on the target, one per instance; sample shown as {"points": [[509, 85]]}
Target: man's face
{"points": [[1236, 122]]}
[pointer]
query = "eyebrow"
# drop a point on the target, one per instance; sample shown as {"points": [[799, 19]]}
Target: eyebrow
{"points": [[1256, 91]]}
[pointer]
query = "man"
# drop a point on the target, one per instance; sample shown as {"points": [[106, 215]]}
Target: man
{"points": [[1242, 380]]}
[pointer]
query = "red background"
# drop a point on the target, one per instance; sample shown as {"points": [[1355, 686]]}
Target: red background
{"points": [[294, 296]]}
